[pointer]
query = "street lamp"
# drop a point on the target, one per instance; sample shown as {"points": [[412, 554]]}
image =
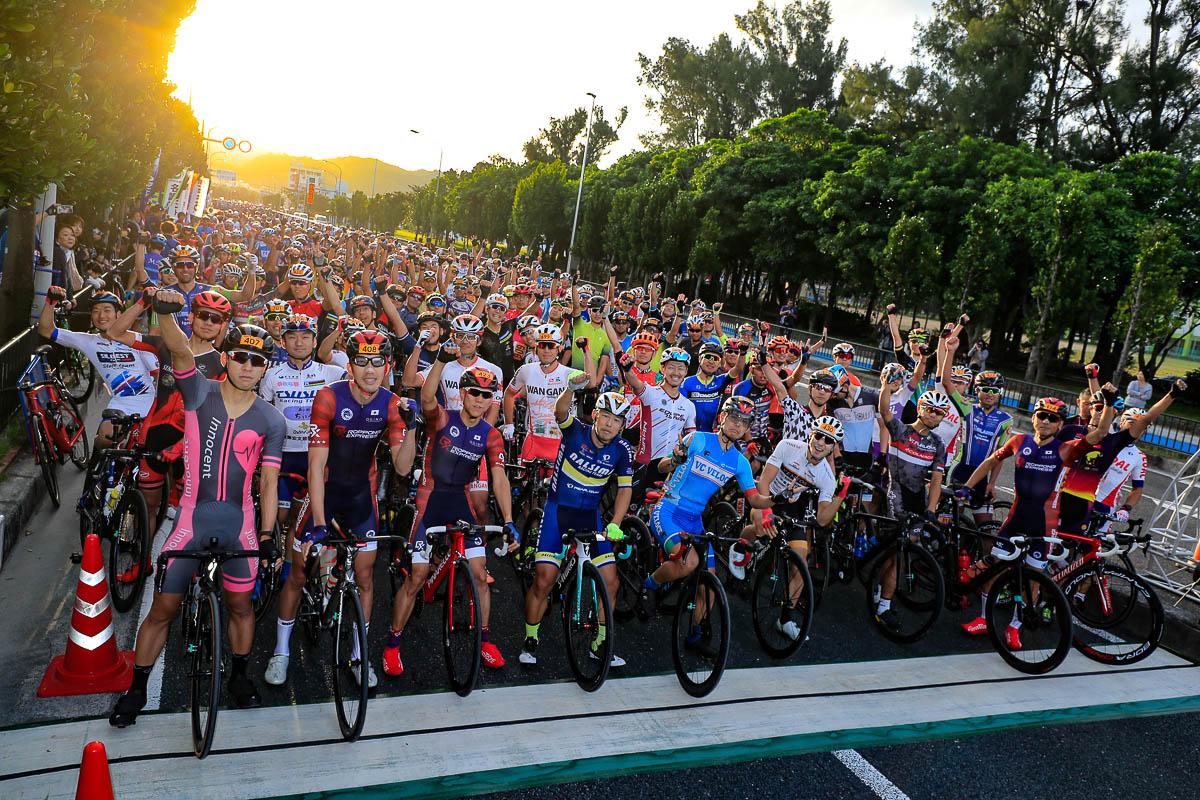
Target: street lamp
{"points": [[437, 190], [587, 140]]}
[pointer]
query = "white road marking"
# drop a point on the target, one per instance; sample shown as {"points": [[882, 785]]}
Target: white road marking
{"points": [[875, 780]]}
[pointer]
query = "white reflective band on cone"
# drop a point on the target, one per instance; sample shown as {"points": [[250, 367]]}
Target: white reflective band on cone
{"points": [[92, 609], [91, 642], [92, 578]]}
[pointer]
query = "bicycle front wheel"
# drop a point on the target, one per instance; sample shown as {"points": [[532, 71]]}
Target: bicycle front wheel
{"points": [[918, 596], [635, 558], [462, 632], [818, 564], [205, 673], [78, 375], [587, 627], [44, 449], [72, 422], [1118, 616], [1029, 620], [700, 635], [783, 602], [350, 664], [523, 559], [128, 550]]}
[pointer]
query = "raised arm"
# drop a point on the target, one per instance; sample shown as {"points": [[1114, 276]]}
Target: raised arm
{"points": [[1154, 412]]}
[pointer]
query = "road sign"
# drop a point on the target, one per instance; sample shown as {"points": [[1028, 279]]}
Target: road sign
{"points": [[229, 143], [244, 145]]}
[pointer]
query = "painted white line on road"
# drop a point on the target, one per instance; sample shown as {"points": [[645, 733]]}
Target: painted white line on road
{"points": [[154, 684], [875, 780]]}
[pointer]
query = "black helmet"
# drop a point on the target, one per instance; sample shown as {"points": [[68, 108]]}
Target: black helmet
{"points": [[710, 349], [250, 338]]}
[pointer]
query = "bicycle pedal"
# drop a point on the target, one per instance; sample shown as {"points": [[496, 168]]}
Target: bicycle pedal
{"points": [[76, 558]]}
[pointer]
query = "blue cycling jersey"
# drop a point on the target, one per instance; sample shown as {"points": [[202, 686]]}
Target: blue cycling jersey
{"points": [[707, 468], [582, 471], [706, 397], [983, 432]]}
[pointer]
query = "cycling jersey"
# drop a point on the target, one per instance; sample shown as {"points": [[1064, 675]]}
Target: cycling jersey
{"points": [[634, 418], [706, 468], [706, 396], [453, 451], [857, 416], [1082, 478], [797, 420], [310, 307], [351, 430], [582, 470], [1034, 511], [983, 433], [950, 428], [1128, 466], [798, 474], [542, 390], [210, 364], [663, 420], [126, 371], [452, 372], [913, 456], [497, 347], [220, 456], [761, 396], [292, 390]]}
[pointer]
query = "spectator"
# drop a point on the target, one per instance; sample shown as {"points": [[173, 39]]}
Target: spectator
{"points": [[884, 332], [787, 314], [63, 268], [977, 358], [1137, 393]]}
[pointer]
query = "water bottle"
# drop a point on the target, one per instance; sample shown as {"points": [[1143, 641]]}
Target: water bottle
{"points": [[328, 559], [860, 545], [110, 501], [964, 565]]}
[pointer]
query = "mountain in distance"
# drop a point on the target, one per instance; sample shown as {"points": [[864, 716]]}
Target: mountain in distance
{"points": [[270, 171]]}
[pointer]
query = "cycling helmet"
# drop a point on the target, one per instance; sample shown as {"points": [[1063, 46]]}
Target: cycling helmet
{"points": [[698, 305], [159, 239], [644, 339], [1051, 405], [240, 262], [362, 301], [435, 299], [675, 354], [894, 371], [830, 426], [614, 403], [428, 316], [843, 349], [368, 343], [300, 272], [960, 374], [395, 291], [419, 291], [526, 322], [596, 302], [232, 271], [466, 323], [277, 306], [933, 399], [351, 326], [778, 343], [842, 375], [1132, 415], [497, 300], [250, 338], [738, 407], [547, 333], [745, 327], [299, 323], [235, 248], [523, 288], [212, 301], [478, 378], [989, 380], [696, 321], [184, 252], [1098, 399], [619, 317], [826, 378], [733, 345], [108, 297], [709, 349]]}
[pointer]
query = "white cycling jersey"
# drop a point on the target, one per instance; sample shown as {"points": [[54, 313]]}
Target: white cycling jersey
{"points": [[542, 390], [1129, 463], [292, 390], [664, 420], [127, 373], [454, 370], [796, 474]]}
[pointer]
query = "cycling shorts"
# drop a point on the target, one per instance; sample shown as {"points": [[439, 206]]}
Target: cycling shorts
{"points": [[437, 507], [1032, 523], [356, 513], [557, 520], [667, 521], [978, 502], [233, 528], [1074, 512], [167, 438], [543, 447], [294, 463], [480, 484]]}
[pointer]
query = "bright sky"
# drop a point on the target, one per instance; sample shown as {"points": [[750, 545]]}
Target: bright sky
{"points": [[352, 77]]}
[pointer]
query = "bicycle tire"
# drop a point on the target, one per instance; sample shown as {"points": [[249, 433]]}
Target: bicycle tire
{"points": [[773, 592], [266, 586], [311, 597], [523, 559], [1142, 628], [206, 674], [78, 375], [461, 629], [586, 613], [702, 679], [399, 558], [80, 451], [633, 565], [818, 565], [1049, 620], [720, 518], [44, 449], [349, 690], [919, 595], [128, 550]]}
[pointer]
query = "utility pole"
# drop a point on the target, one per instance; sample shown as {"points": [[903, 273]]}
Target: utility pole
{"points": [[587, 140]]}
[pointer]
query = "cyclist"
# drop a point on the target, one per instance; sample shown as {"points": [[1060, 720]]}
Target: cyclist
{"points": [[349, 418], [856, 407], [589, 456], [1040, 458], [300, 288], [541, 385], [1129, 467], [700, 464], [666, 415], [291, 387], [496, 338], [460, 445], [707, 386], [986, 427], [229, 431]]}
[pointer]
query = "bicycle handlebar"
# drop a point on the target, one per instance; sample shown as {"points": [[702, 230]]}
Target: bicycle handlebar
{"points": [[198, 555], [1021, 545]]}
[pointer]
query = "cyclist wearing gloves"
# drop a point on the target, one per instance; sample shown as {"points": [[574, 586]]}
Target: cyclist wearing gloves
{"points": [[460, 445], [349, 419], [275, 312], [706, 387], [541, 383], [228, 432], [985, 428], [588, 457]]}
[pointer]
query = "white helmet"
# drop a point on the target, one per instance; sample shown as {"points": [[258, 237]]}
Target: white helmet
{"points": [[526, 322], [497, 300], [830, 426], [548, 333], [614, 403], [466, 323], [933, 399]]}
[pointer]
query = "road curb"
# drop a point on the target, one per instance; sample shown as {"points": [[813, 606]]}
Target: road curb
{"points": [[20, 493], [1181, 630]]}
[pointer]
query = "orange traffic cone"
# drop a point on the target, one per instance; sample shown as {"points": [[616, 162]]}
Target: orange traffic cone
{"points": [[92, 663], [94, 781]]}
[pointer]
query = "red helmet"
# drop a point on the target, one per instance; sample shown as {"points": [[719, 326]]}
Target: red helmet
{"points": [[477, 378], [212, 301], [1051, 405], [368, 343]]}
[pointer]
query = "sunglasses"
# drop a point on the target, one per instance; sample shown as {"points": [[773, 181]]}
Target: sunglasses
{"points": [[299, 283], [987, 391], [497, 308], [480, 393], [820, 437], [547, 345], [821, 386], [275, 317], [467, 337], [435, 304], [185, 265], [369, 361], [709, 357], [939, 412], [1045, 416], [209, 316], [843, 355], [253, 359]]}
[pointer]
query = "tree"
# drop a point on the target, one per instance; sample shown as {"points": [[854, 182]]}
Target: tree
{"points": [[799, 62], [359, 207], [563, 137], [540, 207], [1149, 307], [342, 207]]}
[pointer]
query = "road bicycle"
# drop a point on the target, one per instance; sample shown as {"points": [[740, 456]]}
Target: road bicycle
{"points": [[462, 626], [200, 616], [77, 373], [533, 477], [56, 428]]}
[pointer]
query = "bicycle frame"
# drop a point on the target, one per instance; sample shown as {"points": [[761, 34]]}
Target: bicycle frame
{"points": [[37, 410]]}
